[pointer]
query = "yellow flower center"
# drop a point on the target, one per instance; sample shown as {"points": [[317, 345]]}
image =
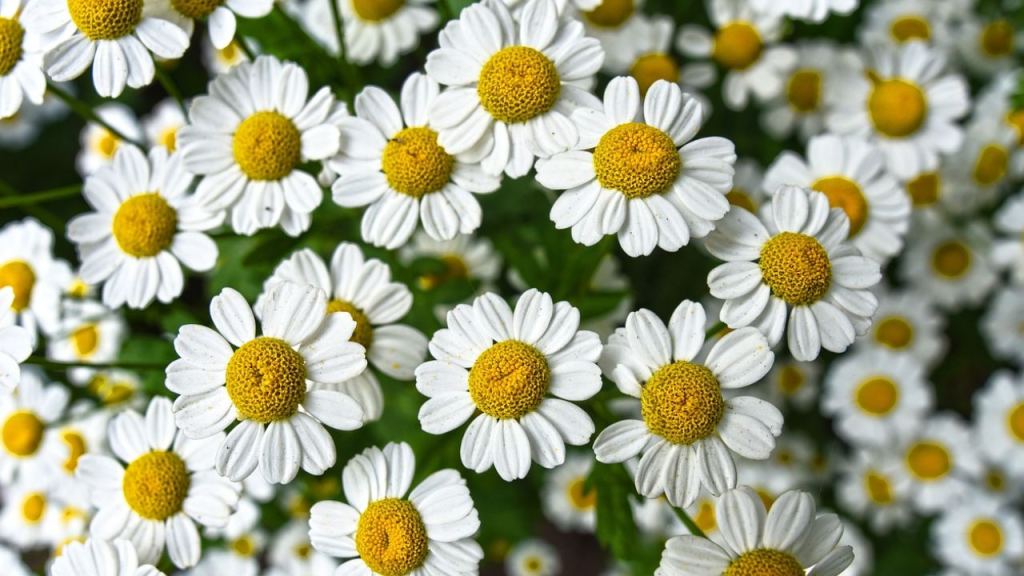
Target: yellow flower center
{"points": [[22, 433], [951, 259], [266, 380], [415, 164], [509, 379], [85, 340], [21, 278], [610, 13], [997, 39], [878, 488], [243, 546], [846, 194], [652, 67], [796, 268], [898, 107], [391, 538], [267, 146], [155, 485], [581, 497], [376, 10], [705, 518], [1015, 422], [877, 396], [518, 83], [907, 28], [1015, 118], [737, 45], [107, 144], [111, 391], [533, 564], [894, 332], [636, 159], [195, 9], [764, 562], [804, 90], [105, 19], [995, 481], [145, 225], [924, 189], [929, 460], [78, 289], [791, 379], [363, 334], [302, 551], [11, 35], [76, 448], [169, 138], [990, 166], [33, 506], [455, 268], [740, 197], [682, 402], [985, 537]]}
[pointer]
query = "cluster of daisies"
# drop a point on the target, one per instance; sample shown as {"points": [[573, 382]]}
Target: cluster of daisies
{"points": [[789, 418]]}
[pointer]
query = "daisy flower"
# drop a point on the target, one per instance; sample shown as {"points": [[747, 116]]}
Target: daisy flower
{"points": [[21, 74], [219, 15], [248, 138], [687, 424], [793, 262], [618, 25], [996, 101], [119, 38], [392, 162], [949, 266], [906, 322], [97, 145], [704, 515], [789, 539], [273, 385], [981, 536], [85, 433], [385, 531], [743, 45], [1008, 247], [1001, 325], [501, 365], [994, 479], [376, 30], [464, 257], [899, 22], [637, 172], [851, 174], [807, 10], [987, 46], [221, 60], [533, 557], [162, 124], [871, 487], [937, 461], [977, 172], [244, 543], [27, 420], [512, 84], [999, 419], [292, 554], [87, 333], [790, 383], [362, 289], [907, 104], [28, 267], [15, 342], [115, 388], [653, 59], [96, 557], [568, 502], [29, 519]]}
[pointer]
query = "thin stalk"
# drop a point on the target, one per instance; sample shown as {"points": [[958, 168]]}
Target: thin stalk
{"points": [[689, 523], [40, 197], [57, 365], [244, 46], [168, 83], [87, 113], [715, 330], [350, 72]]}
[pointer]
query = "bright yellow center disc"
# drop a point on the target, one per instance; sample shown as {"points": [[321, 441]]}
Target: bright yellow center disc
{"points": [[267, 146], [796, 267], [391, 538], [637, 160], [415, 164], [155, 485], [509, 379], [518, 83], [105, 19], [682, 402], [145, 225], [266, 380]]}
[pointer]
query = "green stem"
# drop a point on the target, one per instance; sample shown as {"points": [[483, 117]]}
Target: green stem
{"points": [[40, 197], [57, 365], [689, 523], [245, 48], [715, 330], [165, 80], [87, 113], [40, 213]]}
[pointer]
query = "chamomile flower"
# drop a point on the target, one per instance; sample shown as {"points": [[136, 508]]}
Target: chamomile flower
{"points": [[292, 554], [533, 557], [98, 145], [392, 162], [638, 173], [807, 10], [907, 104], [899, 22], [906, 322], [247, 139], [15, 342], [361, 288], [115, 388], [996, 101], [871, 487], [743, 45], [1003, 324], [29, 518], [85, 433], [386, 529], [96, 557], [619, 25], [27, 420], [948, 265], [652, 57], [21, 75], [464, 257], [244, 543], [876, 397], [221, 60], [787, 540], [794, 267], [688, 425], [513, 84], [851, 174], [937, 461], [1008, 247], [790, 383], [87, 333], [219, 15], [994, 478], [278, 386], [501, 368], [977, 172], [119, 38], [999, 419], [981, 536], [375, 30], [28, 267], [162, 124], [568, 502], [810, 89], [989, 46]]}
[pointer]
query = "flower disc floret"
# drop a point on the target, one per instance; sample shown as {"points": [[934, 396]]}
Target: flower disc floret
{"points": [[652, 67], [76, 445], [924, 189], [682, 402], [877, 395], [894, 332], [22, 433], [803, 91], [991, 165], [951, 259], [518, 83], [21, 278], [266, 380], [907, 28], [391, 537], [737, 45], [144, 225], [363, 333], [997, 39], [985, 537], [846, 194], [764, 562], [196, 9], [415, 164], [580, 496], [898, 108], [878, 488], [267, 146], [610, 13], [155, 485], [796, 267], [636, 159], [105, 19], [11, 36], [84, 340], [376, 10], [509, 379], [929, 460]]}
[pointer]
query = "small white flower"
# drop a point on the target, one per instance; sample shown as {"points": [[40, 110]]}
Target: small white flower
{"points": [[375, 30], [906, 322], [999, 421], [1003, 324], [88, 333], [871, 487], [28, 416], [98, 146], [96, 557], [621, 26], [949, 265], [938, 461], [898, 22], [978, 172], [219, 15], [1008, 247], [162, 124], [981, 536], [15, 342], [37, 279], [30, 518], [567, 500], [791, 383], [989, 46], [292, 554], [21, 74], [533, 557]]}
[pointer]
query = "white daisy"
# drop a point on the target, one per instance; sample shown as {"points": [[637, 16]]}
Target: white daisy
{"points": [[504, 364], [981, 536], [937, 461], [512, 84], [906, 322], [362, 289], [637, 172], [292, 554], [29, 518], [793, 262], [383, 531], [871, 487], [15, 342], [375, 30], [464, 257], [994, 478], [907, 103], [568, 502], [996, 101], [949, 265], [85, 433], [244, 544], [221, 60], [791, 383], [653, 59], [21, 74], [28, 267], [1003, 324], [27, 421], [619, 25], [1008, 247], [248, 138], [687, 424], [899, 22], [807, 10], [116, 388], [999, 420], [979, 170], [97, 557], [97, 145], [533, 557], [391, 161], [789, 539], [162, 124], [989, 46], [270, 384], [88, 333], [219, 15]]}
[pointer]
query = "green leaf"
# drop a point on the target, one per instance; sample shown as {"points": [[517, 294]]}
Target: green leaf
{"points": [[616, 528]]}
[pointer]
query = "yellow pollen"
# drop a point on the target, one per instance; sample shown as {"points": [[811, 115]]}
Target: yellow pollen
{"points": [[302, 550], [985, 537], [518, 83], [878, 488], [682, 402], [229, 53], [650, 68], [951, 259], [11, 36], [997, 39], [267, 146], [1015, 118], [78, 289], [796, 267], [705, 518], [144, 225], [737, 45], [907, 28], [804, 90], [846, 194], [85, 340], [636, 159], [21, 278], [22, 433], [391, 538], [111, 391], [509, 379], [581, 497], [455, 268], [877, 396], [376, 10], [1015, 422], [76, 448], [195, 9], [155, 485], [924, 189], [33, 506], [894, 332], [266, 380], [107, 144], [928, 460], [105, 19], [415, 164], [533, 564], [990, 166], [898, 108], [740, 197], [610, 13], [169, 138], [363, 334], [244, 546], [791, 379], [764, 562]]}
